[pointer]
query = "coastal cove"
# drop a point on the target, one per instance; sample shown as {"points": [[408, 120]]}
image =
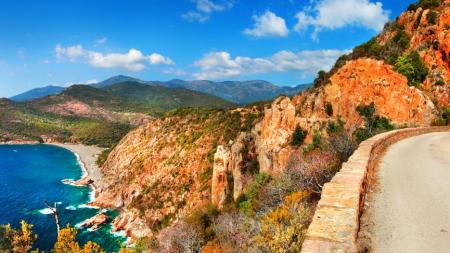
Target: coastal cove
{"points": [[30, 175]]}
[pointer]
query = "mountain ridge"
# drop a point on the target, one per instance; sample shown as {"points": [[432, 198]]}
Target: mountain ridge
{"points": [[240, 92]]}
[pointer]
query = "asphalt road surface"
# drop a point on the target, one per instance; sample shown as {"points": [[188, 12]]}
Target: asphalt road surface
{"points": [[411, 210]]}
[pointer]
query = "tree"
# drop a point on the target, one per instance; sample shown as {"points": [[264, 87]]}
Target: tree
{"points": [[67, 243], [17, 241], [181, 237]]}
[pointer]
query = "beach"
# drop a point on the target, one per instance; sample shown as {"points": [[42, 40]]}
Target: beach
{"points": [[88, 157]]}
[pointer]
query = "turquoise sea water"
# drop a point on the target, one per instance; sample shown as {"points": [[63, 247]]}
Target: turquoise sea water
{"points": [[33, 174]]}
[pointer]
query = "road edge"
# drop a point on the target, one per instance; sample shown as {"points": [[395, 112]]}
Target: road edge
{"points": [[336, 221]]}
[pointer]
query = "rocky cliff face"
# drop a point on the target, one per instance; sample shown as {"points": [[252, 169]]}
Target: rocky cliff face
{"points": [[167, 167], [163, 169], [432, 40]]}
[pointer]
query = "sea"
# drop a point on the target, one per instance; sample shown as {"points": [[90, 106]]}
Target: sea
{"points": [[33, 175]]}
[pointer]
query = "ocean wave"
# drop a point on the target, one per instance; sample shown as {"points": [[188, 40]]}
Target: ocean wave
{"points": [[71, 208], [46, 211], [87, 206]]}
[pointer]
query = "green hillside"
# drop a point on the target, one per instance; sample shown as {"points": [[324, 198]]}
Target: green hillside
{"points": [[95, 116]]}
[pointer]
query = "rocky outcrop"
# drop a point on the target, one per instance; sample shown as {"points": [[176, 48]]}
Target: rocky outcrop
{"points": [[95, 222], [365, 81], [220, 184], [433, 43], [232, 168]]}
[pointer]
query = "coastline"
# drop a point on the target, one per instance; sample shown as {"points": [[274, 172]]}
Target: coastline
{"points": [[87, 157]]}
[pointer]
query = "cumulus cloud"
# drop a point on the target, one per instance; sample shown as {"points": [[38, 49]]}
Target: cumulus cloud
{"points": [[334, 14], [204, 9], [220, 65], [268, 25], [133, 60]]}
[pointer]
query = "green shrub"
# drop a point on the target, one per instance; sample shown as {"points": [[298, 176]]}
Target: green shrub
{"points": [[412, 67], [427, 4], [432, 17], [329, 109], [245, 201], [298, 137], [317, 140], [335, 127], [373, 124], [439, 82]]}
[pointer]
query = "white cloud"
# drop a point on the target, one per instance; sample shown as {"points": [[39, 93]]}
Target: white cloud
{"points": [[220, 65], [268, 25], [90, 81], [159, 59], [87, 82], [100, 41], [133, 60], [334, 14], [192, 16], [204, 9], [71, 53], [208, 6]]}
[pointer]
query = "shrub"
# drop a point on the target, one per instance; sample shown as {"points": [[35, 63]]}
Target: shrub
{"points": [[439, 82], [432, 17], [329, 109], [245, 201], [335, 126], [373, 124], [298, 138], [12, 240], [427, 4], [412, 67], [317, 139]]}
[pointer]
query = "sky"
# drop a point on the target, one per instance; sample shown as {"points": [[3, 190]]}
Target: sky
{"points": [[285, 42]]}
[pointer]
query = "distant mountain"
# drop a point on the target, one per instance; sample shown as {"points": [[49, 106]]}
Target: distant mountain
{"points": [[115, 80], [165, 97], [238, 92], [37, 93], [127, 97], [235, 91]]}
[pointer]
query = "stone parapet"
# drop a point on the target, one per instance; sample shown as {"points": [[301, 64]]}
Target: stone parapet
{"points": [[335, 225]]}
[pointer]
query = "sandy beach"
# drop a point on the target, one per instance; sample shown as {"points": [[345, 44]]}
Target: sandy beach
{"points": [[88, 156]]}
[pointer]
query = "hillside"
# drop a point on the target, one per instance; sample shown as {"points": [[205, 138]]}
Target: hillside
{"points": [[37, 93], [235, 91], [253, 187], [82, 113], [20, 123], [165, 98]]}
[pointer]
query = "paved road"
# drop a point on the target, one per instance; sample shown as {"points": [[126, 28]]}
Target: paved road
{"points": [[411, 211]]}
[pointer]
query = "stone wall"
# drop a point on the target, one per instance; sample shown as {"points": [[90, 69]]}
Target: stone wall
{"points": [[335, 225]]}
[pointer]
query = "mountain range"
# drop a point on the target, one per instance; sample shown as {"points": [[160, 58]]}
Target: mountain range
{"points": [[234, 91]]}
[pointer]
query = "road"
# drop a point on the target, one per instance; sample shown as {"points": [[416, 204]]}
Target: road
{"points": [[411, 209]]}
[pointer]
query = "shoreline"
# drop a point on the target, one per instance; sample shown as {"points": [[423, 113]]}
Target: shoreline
{"points": [[87, 158]]}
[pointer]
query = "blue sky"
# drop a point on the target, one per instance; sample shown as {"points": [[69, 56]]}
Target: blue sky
{"points": [[282, 41]]}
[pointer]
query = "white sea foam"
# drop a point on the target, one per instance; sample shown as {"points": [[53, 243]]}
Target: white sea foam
{"points": [[71, 208], [46, 211], [87, 206]]}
